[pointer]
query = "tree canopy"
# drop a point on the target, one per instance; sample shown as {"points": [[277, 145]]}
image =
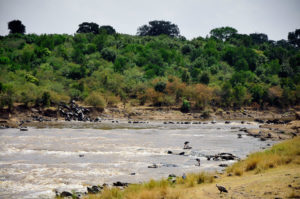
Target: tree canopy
{"points": [[87, 27], [223, 33], [224, 70], [107, 29], [294, 37], [16, 26], [156, 28]]}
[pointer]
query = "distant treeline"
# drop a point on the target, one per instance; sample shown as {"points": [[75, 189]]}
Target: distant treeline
{"points": [[158, 66]]}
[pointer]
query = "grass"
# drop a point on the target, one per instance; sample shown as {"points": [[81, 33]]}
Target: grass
{"points": [[287, 152], [280, 154]]}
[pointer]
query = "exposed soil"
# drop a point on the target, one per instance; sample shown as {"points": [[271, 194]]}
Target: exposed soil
{"points": [[281, 182]]}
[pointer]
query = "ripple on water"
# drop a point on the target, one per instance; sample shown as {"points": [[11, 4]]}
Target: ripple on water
{"points": [[35, 162]]}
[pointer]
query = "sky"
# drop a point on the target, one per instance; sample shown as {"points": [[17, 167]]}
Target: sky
{"points": [[194, 17]]}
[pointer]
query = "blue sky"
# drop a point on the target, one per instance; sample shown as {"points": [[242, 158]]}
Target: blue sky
{"points": [[194, 17]]}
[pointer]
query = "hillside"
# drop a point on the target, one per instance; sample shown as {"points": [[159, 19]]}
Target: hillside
{"points": [[107, 70]]}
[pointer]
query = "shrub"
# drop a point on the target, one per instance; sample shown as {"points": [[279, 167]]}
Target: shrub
{"points": [[108, 54], [46, 99], [96, 99], [186, 106], [160, 86]]}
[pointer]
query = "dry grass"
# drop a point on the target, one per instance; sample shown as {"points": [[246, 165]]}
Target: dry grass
{"points": [[287, 152], [280, 154]]}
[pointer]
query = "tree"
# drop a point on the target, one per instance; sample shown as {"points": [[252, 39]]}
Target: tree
{"points": [[259, 38], [16, 26], [204, 78], [156, 28], [86, 27], [294, 38], [107, 29], [223, 33]]}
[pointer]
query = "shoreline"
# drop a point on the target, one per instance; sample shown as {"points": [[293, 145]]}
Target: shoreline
{"points": [[275, 124]]}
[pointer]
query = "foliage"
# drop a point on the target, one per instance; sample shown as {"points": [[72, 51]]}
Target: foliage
{"points": [[156, 28], [107, 29], [223, 33], [161, 68], [186, 106], [87, 27], [16, 26], [294, 37], [96, 99]]}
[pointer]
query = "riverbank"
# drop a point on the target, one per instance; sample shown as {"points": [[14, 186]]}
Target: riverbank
{"points": [[279, 178], [275, 124]]}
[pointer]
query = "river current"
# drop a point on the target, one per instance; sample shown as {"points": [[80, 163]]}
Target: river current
{"points": [[73, 155]]}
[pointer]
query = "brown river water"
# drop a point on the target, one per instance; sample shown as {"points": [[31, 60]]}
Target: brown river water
{"points": [[72, 155]]}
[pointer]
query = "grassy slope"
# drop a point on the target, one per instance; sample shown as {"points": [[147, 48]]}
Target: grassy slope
{"points": [[266, 174]]}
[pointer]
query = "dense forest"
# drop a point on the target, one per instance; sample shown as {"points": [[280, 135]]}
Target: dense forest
{"points": [[158, 67]]}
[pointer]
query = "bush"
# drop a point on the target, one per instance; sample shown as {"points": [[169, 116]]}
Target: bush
{"points": [[204, 78], [95, 99], [186, 106], [160, 86], [46, 99], [108, 54]]}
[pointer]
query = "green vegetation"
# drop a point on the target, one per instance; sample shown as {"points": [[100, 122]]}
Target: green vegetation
{"points": [[227, 69]]}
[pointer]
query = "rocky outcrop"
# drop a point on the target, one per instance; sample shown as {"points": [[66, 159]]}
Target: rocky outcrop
{"points": [[74, 112], [222, 156]]}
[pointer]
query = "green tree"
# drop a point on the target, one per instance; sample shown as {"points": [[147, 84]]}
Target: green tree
{"points": [[87, 27], [107, 30], [46, 99], [204, 78], [186, 106], [259, 38], [160, 87], [16, 26], [108, 54], [223, 33], [294, 38], [156, 28]]}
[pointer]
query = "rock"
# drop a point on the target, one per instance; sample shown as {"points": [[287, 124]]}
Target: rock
{"points": [[170, 152], [81, 155], [172, 176], [94, 189], [154, 166], [181, 153], [262, 139], [120, 184], [259, 121], [132, 174], [227, 122], [65, 194], [239, 135], [97, 119], [216, 176], [169, 165], [223, 165], [23, 129], [243, 129]]}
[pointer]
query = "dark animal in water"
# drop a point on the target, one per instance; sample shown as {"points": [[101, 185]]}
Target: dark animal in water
{"points": [[221, 189], [198, 161], [186, 145]]}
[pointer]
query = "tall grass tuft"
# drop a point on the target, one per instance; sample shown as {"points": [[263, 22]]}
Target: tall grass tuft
{"points": [[280, 154]]}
